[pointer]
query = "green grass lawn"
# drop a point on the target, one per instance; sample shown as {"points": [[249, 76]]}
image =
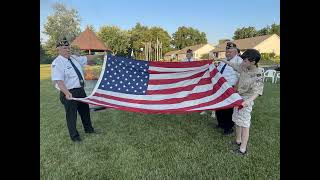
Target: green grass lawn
{"points": [[139, 146]]}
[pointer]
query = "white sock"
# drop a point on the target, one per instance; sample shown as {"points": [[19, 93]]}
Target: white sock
{"points": [[242, 150], [203, 112]]}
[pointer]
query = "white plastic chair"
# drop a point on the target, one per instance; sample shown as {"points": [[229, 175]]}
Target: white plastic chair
{"points": [[269, 74], [277, 77], [261, 69]]}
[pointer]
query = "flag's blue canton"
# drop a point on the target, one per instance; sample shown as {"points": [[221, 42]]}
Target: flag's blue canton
{"points": [[125, 76]]}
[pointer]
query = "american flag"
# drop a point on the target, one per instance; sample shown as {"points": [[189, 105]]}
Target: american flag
{"points": [[161, 87]]}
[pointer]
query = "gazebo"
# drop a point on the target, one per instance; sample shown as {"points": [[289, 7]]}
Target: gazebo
{"points": [[88, 41]]}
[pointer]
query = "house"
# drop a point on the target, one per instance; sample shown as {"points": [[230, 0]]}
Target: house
{"points": [[198, 51], [264, 44], [171, 55], [88, 41]]}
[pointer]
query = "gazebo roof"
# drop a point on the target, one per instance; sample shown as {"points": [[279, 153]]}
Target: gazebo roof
{"points": [[87, 40]]}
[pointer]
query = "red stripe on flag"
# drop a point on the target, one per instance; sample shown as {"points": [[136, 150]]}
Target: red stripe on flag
{"points": [[170, 81], [215, 101], [236, 103], [192, 96], [179, 89], [191, 64], [187, 88]]}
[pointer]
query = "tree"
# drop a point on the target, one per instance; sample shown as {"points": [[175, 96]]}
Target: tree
{"points": [[44, 59], [188, 36], [139, 35], [42, 53], [245, 33], [162, 35], [63, 23], [221, 41], [115, 38], [90, 26], [264, 31], [275, 29]]}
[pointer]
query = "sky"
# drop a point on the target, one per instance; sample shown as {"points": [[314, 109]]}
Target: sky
{"points": [[217, 18]]}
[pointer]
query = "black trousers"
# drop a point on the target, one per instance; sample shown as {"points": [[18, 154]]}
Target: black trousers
{"points": [[72, 107], [224, 118]]}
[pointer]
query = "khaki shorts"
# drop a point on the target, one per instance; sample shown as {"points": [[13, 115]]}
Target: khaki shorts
{"points": [[242, 117]]}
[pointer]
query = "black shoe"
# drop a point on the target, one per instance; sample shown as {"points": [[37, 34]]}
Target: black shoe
{"points": [[235, 143], [237, 151], [76, 139], [92, 132], [227, 131], [218, 126]]}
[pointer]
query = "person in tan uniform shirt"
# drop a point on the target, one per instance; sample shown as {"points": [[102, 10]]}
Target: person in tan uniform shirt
{"points": [[250, 86]]}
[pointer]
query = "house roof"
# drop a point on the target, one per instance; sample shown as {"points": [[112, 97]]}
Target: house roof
{"points": [[88, 40], [242, 44], [172, 52]]}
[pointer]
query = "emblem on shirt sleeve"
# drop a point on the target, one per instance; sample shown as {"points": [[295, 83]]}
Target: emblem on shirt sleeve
{"points": [[259, 78]]}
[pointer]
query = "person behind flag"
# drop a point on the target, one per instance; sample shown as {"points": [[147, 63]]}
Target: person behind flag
{"points": [[224, 117], [250, 86], [67, 74], [189, 56], [211, 57]]}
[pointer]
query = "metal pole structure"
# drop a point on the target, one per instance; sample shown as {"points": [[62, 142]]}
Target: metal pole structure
{"points": [[145, 52], [160, 50], [156, 47], [157, 50], [149, 51]]}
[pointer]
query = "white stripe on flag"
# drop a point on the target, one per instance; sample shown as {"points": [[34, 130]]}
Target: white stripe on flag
{"points": [[164, 106], [162, 69], [179, 84], [175, 75]]}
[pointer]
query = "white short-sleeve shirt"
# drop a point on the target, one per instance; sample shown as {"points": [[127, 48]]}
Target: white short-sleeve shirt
{"points": [[229, 73], [61, 69], [187, 60]]}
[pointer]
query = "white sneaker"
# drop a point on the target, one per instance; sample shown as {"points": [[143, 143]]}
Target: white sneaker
{"points": [[203, 113], [213, 115]]}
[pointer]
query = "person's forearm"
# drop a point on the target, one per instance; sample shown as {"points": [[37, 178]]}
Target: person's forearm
{"points": [[252, 98], [62, 87], [229, 63]]}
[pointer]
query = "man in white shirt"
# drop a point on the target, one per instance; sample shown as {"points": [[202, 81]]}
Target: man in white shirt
{"points": [[67, 73], [189, 56], [224, 117]]}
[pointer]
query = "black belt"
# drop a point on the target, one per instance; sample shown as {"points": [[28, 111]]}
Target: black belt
{"points": [[75, 88]]}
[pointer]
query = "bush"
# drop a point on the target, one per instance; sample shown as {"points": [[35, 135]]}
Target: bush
{"points": [[269, 56], [45, 60], [205, 56], [268, 62], [92, 73], [272, 55], [98, 61]]}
